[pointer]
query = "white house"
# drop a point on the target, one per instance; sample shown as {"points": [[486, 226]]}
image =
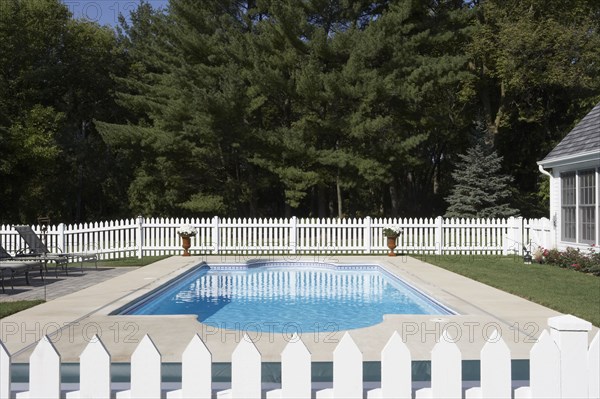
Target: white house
{"points": [[574, 170]]}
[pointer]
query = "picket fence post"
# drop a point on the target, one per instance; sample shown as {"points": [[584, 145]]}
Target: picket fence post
{"points": [[246, 370], [145, 372], [61, 238], [139, 239], [544, 366], [495, 366], [571, 335], [293, 235], [439, 235], [295, 372], [5, 367], [446, 370], [396, 371], [347, 371], [506, 223], [513, 240], [216, 239], [594, 367], [196, 370], [367, 234], [518, 237], [94, 372], [44, 371]]}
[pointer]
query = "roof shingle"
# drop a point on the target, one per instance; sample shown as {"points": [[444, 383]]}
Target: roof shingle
{"points": [[585, 137]]}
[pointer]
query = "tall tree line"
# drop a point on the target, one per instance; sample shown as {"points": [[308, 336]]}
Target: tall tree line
{"points": [[321, 108], [55, 79]]}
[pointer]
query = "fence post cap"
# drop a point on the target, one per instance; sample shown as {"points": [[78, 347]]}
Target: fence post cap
{"points": [[569, 323]]}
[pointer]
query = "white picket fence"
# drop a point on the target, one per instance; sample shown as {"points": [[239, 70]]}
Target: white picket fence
{"points": [[154, 236], [561, 366]]}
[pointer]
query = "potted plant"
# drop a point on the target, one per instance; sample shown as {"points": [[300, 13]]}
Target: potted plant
{"points": [[392, 232], [186, 233]]}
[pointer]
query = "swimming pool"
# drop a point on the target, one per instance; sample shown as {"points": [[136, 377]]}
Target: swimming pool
{"points": [[286, 297]]}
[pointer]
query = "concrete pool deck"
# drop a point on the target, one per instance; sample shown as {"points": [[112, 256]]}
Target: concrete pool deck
{"points": [[73, 319]]}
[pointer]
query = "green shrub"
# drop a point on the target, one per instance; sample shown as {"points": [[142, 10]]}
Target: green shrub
{"points": [[571, 258]]}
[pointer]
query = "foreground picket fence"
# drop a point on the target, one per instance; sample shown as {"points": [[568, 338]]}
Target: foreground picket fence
{"points": [[561, 366], [293, 236]]}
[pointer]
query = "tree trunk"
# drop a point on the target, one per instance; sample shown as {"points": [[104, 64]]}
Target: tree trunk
{"points": [[339, 195], [252, 203], [79, 193], [322, 199], [394, 197], [287, 210], [492, 117]]}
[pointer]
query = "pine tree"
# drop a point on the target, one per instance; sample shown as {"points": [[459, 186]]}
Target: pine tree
{"points": [[481, 190], [187, 91], [409, 68]]}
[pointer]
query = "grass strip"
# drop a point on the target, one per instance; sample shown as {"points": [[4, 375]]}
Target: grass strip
{"points": [[563, 290], [146, 260], [12, 307]]}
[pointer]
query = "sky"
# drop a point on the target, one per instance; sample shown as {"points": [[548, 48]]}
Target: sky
{"points": [[106, 12]]}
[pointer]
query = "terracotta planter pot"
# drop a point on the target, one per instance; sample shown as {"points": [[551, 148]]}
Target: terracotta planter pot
{"points": [[391, 243], [186, 243]]}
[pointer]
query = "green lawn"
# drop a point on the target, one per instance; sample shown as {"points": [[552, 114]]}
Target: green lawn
{"points": [[566, 291], [8, 308]]}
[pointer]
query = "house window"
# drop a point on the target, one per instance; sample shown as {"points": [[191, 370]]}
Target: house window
{"points": [[568, 207], [587, 206]]}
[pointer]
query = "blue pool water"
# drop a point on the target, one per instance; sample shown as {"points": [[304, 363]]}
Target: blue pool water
{"points": [[287, 298]]}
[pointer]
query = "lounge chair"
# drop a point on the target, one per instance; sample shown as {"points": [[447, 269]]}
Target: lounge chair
{"points": [[10, 266], [37, 248]]}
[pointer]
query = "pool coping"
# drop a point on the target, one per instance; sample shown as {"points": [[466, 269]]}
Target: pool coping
{"points": [[73, 319], [142, 301]]}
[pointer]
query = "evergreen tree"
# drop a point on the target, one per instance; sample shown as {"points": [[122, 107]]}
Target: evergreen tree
{"points": [[185, 88], [314, 108], [481, 190], [299, 92], [409, 69]]}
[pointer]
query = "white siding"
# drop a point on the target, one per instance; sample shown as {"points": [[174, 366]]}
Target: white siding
{"points": [[555, 201]]}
